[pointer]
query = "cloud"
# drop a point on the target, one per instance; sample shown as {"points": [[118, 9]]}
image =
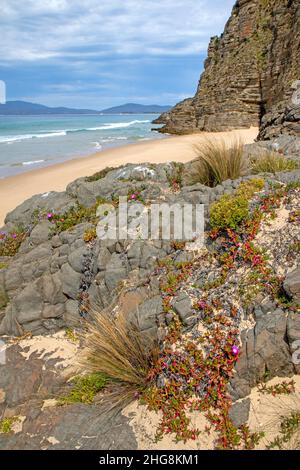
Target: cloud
{"points": [[71, 30]]}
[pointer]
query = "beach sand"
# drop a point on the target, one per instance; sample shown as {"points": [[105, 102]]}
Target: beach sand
{"points": [[16, 189]]}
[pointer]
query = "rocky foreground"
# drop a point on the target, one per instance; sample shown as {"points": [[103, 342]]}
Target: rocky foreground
{"points": [[226, 315]]}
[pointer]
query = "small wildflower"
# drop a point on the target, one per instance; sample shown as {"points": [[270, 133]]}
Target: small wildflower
{"points": [[49, 215], [235, 350]]}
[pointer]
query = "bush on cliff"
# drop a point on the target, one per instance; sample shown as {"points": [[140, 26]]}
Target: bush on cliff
{"points": [[216, 163]]}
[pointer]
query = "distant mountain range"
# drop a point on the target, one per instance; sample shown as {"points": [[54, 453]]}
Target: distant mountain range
{"points": [[26, 108], [133, 108]]}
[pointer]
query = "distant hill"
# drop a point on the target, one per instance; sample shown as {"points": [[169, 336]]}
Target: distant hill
{"points": [[26, 108], [133, 108]]}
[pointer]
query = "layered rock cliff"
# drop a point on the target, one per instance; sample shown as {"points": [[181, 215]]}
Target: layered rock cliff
{"points": [[249, 74]]}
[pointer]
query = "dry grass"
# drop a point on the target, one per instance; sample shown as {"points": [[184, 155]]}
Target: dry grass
{"points": [[116, 348], [216, 162], [271, 162]]}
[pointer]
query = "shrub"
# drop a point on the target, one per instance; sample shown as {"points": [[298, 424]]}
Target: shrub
{"points": [[74, 216], [6, 424], [216, 163], [271, 162], [90, 235], [115, 348], [250, 187], [84, 389], [229, 212], [10, 242]]}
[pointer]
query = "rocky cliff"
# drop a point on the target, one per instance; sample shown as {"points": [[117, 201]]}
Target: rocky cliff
{"points": [[249, 74]]}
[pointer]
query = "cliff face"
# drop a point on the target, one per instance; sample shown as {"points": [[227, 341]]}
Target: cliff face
{"points": [[249, 73]]}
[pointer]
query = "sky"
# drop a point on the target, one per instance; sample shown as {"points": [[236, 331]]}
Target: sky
{"points": [[101, 53]]}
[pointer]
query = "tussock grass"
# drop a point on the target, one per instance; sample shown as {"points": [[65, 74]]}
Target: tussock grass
{"points": [[271, 162], [115, 347], [216, 162]]}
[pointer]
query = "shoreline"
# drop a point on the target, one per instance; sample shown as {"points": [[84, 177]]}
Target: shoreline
{"points": [[14, 190]]}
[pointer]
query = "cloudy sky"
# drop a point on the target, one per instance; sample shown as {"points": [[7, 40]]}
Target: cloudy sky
{"points": [[100, 53]]}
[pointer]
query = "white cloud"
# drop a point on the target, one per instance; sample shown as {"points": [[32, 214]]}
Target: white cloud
{"points": [[81, 29]]}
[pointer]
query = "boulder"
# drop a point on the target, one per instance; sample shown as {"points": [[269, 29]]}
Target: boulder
{"points": [[292, 285]]}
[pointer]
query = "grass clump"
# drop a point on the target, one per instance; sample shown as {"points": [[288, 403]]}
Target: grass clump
{"points": [[84, 389], [6, 424], [272, 162], [217, 163], [115, 348]]}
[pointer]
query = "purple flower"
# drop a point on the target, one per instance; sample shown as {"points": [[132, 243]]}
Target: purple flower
{"points": [[49, 215], [14, 235], [235, 350]]}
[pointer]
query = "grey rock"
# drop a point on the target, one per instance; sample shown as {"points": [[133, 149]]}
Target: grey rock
{"points": [[53, 201], [183, 307], [53, 311], [70, 281], [40, 233], [51, 287], [71, 314], [239, 412], [76, 259], [148, 313], [116, 271], [29, 304], [292, 285]]}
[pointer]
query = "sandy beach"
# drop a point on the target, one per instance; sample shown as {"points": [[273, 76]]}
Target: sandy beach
{"points": [[14, 190]]}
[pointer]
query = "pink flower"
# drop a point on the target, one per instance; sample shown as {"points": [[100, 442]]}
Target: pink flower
{"points": [[49, 215], [133, 196], [235, 350], [14, 235]]}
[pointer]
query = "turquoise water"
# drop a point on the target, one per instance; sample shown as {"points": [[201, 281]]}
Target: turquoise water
{"points": [[28, 142]]}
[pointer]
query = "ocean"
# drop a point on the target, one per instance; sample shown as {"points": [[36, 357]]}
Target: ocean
{"points": [[28, 142]]}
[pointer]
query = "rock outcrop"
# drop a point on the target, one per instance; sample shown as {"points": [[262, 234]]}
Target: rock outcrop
{"points": [[250, 74]]}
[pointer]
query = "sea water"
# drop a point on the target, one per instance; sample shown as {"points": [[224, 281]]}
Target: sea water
{"points": [[28, 142]]}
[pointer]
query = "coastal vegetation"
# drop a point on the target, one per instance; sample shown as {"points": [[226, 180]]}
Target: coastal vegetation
{"points": [[115, 348], [11, 241], [217, 162], [271, 162], [84, 389], [6, 424]]}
